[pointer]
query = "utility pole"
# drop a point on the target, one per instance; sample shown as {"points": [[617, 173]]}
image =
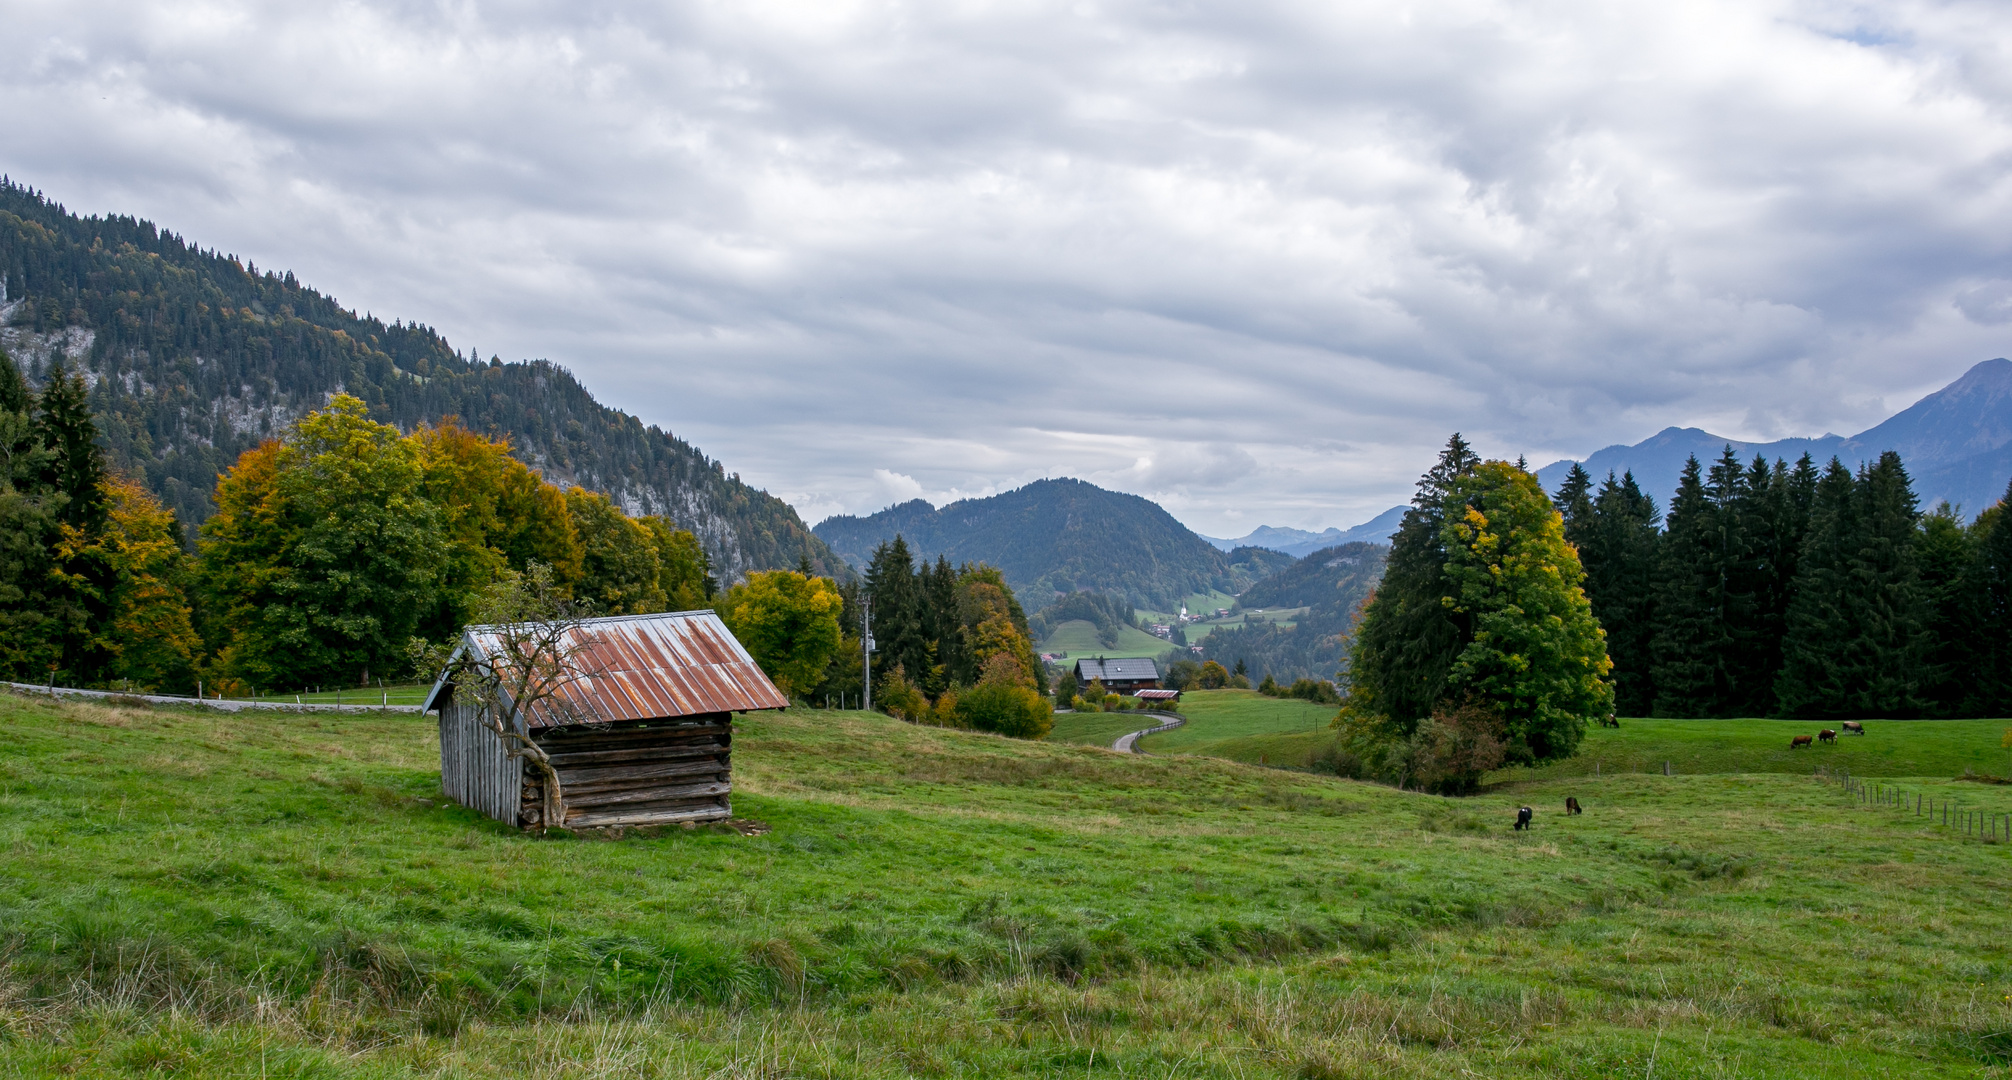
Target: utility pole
{"points": [[866, 651]]}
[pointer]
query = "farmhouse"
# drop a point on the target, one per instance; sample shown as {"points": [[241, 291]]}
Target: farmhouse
{"points": [[1125, 675], [660, 691]]}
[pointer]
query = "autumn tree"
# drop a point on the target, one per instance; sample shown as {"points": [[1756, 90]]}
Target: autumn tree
{"points": [[788, 622], [324, 553]]}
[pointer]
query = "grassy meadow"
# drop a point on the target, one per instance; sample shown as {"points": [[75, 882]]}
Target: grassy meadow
{"points": [[1078, 638], [200, 895]]}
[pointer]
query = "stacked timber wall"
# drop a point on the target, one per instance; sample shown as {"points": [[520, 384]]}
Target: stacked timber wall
{"points": [[639, 772]]}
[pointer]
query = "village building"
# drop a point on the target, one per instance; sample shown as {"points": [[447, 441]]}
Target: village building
{"points": [[1124, 675], [661, 691]]}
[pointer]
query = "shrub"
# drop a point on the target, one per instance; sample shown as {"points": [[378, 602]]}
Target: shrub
{"points": [[1319, 691], [1006, 709]]}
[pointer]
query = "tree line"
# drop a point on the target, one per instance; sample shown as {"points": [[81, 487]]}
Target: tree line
{"points": [[333, 545], [1772, 589], [952, 645]]}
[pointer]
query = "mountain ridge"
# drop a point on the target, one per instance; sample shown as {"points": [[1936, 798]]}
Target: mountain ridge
{"points": [[1300, 543], [1054, 537], [194, 358], [1956, 443]]}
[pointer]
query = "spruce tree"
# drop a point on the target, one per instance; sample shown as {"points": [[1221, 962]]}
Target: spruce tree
{"points": [[1689, 637], [1758, 591], [1409, 636], [29, 644], [1619, 555], [76, 468], [1893, 617], [1575, 505], [900, 636], [1989, 588], [1819, 617], [1948, 551], [1856, 642]]}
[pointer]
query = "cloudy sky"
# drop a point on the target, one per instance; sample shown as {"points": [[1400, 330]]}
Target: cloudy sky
{"points": [[1254, 260]]}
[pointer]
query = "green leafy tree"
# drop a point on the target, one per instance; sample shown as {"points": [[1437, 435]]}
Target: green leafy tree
{"points": [[788, 623], [1003, 703], [684, 572], [1537, 658], [324, 553], [497, 515], [619, 572]]}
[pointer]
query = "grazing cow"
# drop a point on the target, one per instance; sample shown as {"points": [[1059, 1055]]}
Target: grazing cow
{"points": [[1571, 804], [1853, 727], [1826, 735], [1610, 721], [1523, 818], [1800, 741]]}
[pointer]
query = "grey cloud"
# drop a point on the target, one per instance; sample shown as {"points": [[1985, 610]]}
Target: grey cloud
{"points": [[1276, 251]]}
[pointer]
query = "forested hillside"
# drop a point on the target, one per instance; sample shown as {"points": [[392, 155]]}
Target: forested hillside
{"points": [[1054, 537], [1331, 584], [193, 358]]}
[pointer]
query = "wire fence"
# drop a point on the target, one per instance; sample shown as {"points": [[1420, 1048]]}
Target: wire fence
{"points": [[1977, 823]]}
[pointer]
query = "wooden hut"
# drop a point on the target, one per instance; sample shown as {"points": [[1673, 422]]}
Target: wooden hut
{"points": [[661, 689]]}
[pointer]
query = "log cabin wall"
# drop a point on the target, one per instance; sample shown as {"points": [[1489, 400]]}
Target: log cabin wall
{"points": [[637, 772], [475, 770]]}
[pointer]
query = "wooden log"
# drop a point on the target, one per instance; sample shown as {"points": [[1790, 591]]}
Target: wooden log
{"points": [[644, 753], [649, 794], [648, 817], [570, 779]]}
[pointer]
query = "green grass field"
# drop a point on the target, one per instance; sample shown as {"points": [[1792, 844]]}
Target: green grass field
{"points": [[1098, 728], [1078, 638], [197, 895], [1219, 716]]}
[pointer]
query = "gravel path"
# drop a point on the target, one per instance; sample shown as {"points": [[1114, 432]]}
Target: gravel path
{"points": [[1129, 743]]}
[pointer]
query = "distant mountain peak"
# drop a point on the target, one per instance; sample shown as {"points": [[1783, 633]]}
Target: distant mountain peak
{"points": [[1956, 443]]}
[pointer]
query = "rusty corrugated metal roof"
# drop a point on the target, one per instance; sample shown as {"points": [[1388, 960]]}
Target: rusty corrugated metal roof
{"points": [[646, 667]]}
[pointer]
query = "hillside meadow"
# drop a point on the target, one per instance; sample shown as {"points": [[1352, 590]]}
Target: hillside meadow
{"points": [[199, 895]]}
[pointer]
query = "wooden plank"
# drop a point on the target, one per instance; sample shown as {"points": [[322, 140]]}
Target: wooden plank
{"points": [[650, 794]]}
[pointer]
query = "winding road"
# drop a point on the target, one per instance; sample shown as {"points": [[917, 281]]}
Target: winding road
{"points": [[1129, 743]]}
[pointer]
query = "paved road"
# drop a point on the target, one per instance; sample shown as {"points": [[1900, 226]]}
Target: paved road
{"points": [[232, 705], [1129, 743]]}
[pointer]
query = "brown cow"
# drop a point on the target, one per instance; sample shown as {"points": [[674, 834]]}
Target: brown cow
{"points": [[1853, 727], [1801, 741], [1571, 804], [1826, 735]]}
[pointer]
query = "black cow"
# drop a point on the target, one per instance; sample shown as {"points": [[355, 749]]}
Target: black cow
{"points": [[1522, 818], [1571, 804]]}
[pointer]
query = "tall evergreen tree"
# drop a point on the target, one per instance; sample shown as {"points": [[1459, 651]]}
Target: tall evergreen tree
{"points": [[1948, 552], [76, 467], [1619, 554], [1759, 570], [1574, 501], [900, 635], [1989, 587], [1410, 637], [1856, 643], [29, 648], [1689, 636]]}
